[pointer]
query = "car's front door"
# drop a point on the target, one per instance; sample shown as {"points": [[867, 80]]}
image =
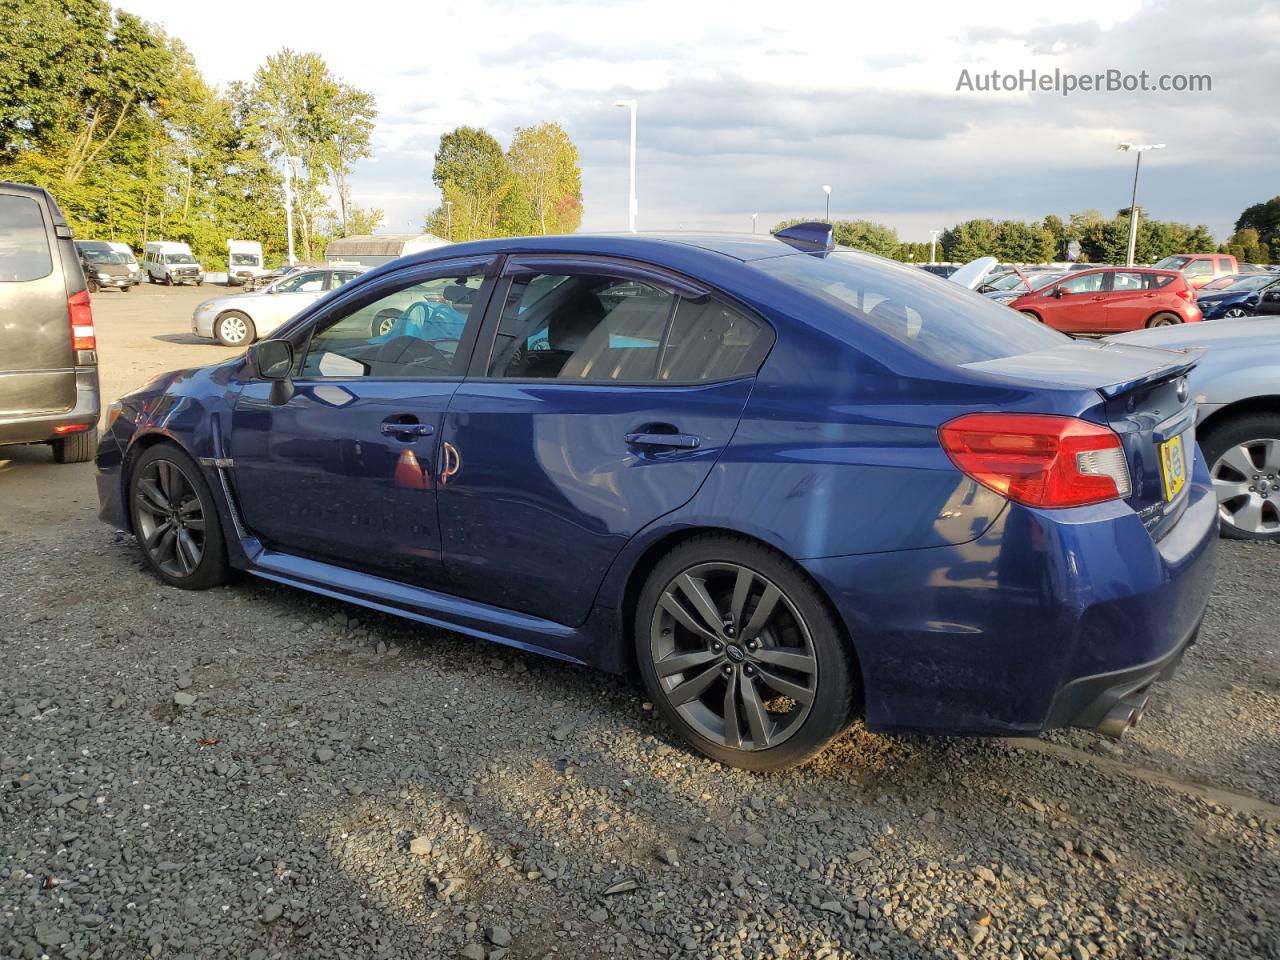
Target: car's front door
{"points": [[1074, 304], [1269, 301], [285, 298], [600, 398], [345, 470]]}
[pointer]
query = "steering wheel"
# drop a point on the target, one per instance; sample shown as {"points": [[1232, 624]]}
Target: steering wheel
{"points": [[411, 351]]}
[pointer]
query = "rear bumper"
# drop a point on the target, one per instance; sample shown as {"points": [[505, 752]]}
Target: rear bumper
{"points": [[37, 429], [1031, 626]]}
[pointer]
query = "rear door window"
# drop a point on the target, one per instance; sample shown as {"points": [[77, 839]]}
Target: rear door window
{"points": [[711, 341], [24, 244]]}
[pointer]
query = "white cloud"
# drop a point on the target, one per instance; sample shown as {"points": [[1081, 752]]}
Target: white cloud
{"points": [[750, 106]]}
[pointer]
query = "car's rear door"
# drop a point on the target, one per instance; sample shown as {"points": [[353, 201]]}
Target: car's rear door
{"points": [[1269, 301], [344, 471], [600, 397], [37, 360], [1127, 303]]}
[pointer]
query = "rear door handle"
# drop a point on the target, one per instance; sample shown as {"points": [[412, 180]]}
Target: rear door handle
{"points": [[681, 441], [407, 429]]}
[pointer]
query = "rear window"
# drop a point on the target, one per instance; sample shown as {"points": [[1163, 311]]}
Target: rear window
{"points": [[24, 245], [941, 320]]}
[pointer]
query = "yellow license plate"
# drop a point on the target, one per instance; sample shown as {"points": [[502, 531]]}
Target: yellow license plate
{"points": [[1173, 463]]}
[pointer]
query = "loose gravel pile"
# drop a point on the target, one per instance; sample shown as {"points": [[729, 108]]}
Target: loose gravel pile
{"points": [[254, 772]]}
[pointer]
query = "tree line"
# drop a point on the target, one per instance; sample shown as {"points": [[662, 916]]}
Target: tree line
{"points": [[1101, 239], [534, 187], [113, 117]]}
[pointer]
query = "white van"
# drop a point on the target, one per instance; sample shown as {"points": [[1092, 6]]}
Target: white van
{"points": [[130, 260], [167, 261], [244, 261]]}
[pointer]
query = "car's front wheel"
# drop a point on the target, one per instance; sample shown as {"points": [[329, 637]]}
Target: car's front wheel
{"points": [[234, 329], [176, 520], [1243, 454], [742, 654]]}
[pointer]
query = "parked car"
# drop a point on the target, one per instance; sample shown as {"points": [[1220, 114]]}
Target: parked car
{"points": [[238, 319], [943, 270], [1200, 268], [170, 262], [48, 353], [1008, 291], [1111, 300], [1234, 384], [103, 266], [1014, 278], [130, 260], [790, 484], [1240, 298]]}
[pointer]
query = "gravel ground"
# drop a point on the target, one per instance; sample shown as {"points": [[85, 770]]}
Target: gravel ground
{"points": [[256, 772]]}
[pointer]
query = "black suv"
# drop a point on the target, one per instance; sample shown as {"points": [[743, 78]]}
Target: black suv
{"points": [[48, 354]]}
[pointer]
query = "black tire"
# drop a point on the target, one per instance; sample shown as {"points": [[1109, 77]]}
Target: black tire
{"points": [[76, 447], [199, 283], [234, 321], [126, 288], [91, 284], [383, 322], [800, 613], [168, 280], [1164, 319], [1226, 435], [210, 568]]}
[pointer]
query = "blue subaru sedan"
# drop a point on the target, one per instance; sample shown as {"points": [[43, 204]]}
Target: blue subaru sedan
{"points": [[788, 484]]}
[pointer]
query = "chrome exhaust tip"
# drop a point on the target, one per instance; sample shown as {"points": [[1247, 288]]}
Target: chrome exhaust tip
{"points": [[1124, 715]]}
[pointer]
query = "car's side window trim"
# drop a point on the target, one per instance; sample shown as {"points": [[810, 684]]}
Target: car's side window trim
{"points": [[682, 287], [341, 306]]}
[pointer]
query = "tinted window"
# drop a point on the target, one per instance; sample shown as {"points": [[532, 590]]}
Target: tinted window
{"points": [[24, 245], [580, 327], [413, 331], [940, 319], [1157, 280], [709, 341]]}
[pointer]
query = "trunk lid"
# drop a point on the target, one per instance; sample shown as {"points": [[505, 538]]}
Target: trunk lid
{"points": [[1142, 394]]}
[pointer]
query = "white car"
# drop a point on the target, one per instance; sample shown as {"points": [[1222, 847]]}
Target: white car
{"points": [[238, 319]]}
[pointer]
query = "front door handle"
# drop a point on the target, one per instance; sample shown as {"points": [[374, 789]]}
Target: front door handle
{"points": [[681, 441]]}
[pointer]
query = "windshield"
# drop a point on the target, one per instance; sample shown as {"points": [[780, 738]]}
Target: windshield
{"points": [[103, 256], [1247, 284], [244, 259], [937, 318], [1006, 282], [1044, 279], [1173, 263], [179, 258]]}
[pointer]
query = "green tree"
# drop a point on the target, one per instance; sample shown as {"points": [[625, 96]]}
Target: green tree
{"points": [[1246, 245], [545, 164], [912, 252], [1265, 218], [1019, 242], [474, 177], [969, 240]]}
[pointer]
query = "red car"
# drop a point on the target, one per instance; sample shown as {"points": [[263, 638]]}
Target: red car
{"points": [[1112, 299]]}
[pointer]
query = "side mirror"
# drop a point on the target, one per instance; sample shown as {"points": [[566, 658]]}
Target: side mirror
{"points": [[1059, 293], [273, 361]]}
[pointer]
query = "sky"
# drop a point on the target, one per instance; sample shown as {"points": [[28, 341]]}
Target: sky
{"points": [[750, 107]]}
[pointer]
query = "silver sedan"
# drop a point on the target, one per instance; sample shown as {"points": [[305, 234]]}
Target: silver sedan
{"points": [[238, 319]]}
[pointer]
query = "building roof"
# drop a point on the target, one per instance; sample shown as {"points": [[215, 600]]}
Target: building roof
{"points": [[381, 244]]}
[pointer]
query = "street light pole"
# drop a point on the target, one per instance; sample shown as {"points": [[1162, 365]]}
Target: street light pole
{"points": [[288, 204], [933, 245], [826, 188], [1139, 149], [632, 206], [753, 222]]}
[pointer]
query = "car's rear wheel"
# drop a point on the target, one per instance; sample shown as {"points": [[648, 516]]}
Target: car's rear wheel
{"points": [[742, 655], [76, 447], [1244, 460], [1164, 320], [176, 519], [126, 288], [384, 322], [1031, 316], [1235, 313], [234, 329], [91, 285]]}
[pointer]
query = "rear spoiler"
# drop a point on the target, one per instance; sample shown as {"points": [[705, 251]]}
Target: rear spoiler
{"points": [[1167, 371]]}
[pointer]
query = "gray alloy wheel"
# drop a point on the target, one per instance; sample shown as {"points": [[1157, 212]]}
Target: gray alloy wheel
{"points": [[170, 518], [1246, 479], [1235, 313], [733, 656], [233, 329]]}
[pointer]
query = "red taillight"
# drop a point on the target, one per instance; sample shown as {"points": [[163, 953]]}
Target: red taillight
{"points": [[71, 428], [1037, 459], [1188, 294], [81, 315]]}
